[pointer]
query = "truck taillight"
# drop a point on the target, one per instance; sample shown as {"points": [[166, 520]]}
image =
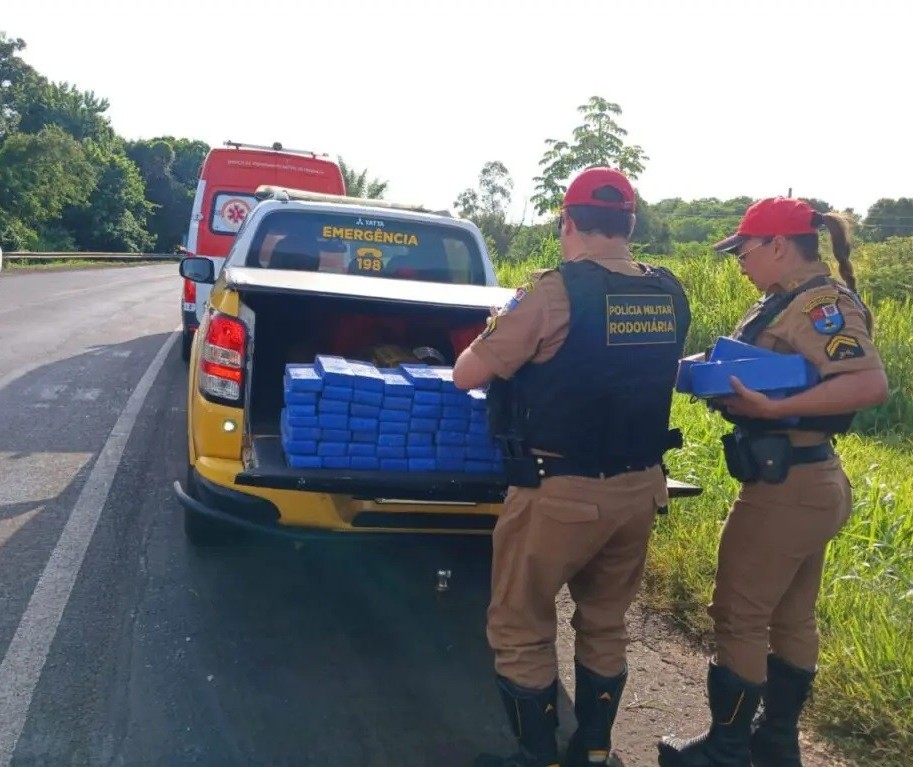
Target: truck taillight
{"points": [[222, 359], [190, 292]]}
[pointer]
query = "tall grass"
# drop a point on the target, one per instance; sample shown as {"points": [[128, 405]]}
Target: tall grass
{"points": [[864, 691]]}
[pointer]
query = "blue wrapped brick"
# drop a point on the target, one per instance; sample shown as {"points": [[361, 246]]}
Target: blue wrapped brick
{"points": [[394, 427], [396, 384], [363, 424], [364, 462], [340, 393], [305, 461], [397, 403], [362, 449], [365, 436], [333, 421], [295, 417], [457, 412], [425, 397], [334, 371], [455, 424], [299, 447], [336, 462], [421, 376], [364, 411], [422, 464], [367, 377], [332, 449], [426, 411], [478, 399], [451, 438], [402, 416], [335, 435], [420, 451], [394, 464], [365, 397], [388, 451], [301, 398], [423, 424], [391, 440], [420, 438], [458, 399], [332, 406], [450, 464], [302, 378]]}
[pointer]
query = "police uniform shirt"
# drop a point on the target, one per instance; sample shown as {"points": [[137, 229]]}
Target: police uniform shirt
{"points": [[535, 323], [824, 325]]}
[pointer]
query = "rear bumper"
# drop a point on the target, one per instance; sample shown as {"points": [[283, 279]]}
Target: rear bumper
{"points": [[259, 515], [189, 321]]}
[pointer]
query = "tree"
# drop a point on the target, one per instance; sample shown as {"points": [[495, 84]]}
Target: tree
{"points": [[888, 218], [599, 140], [358, 184], [41, 175], [486, 205]]}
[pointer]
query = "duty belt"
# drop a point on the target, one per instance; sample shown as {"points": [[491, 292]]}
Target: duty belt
{"points": [[552, 466]]}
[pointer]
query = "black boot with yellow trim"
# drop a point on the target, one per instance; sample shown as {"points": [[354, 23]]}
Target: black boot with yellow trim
{"points": [[733, 703], [533, 716], [596, 705]]}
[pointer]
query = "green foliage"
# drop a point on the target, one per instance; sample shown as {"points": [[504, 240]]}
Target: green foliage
{"points": [[486, 206], [888, 218], [599, 140], [359, 185]]}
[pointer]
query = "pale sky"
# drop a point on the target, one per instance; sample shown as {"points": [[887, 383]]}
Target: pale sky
{"points": [[726, 98]]}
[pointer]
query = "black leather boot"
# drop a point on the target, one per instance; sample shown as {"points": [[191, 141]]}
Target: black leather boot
{"points": [[596, 705], [533, 717], [775, 733], [733, 703]]}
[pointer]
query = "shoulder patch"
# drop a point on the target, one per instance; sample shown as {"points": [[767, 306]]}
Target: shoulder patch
{"points": [[843, 347], [824, 314], [516, 298]]}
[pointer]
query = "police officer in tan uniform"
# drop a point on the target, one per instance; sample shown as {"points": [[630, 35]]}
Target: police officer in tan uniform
{"points": [[584, 362], [794, 496]]}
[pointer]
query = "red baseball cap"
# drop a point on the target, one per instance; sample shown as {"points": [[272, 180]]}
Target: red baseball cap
{"points": [[772, 217], [600, 188]]}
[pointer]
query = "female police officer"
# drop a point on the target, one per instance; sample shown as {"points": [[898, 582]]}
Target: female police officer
{"points": [[588, 354], [794, 496]]}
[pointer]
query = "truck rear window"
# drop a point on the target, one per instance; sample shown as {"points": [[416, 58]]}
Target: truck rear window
{"points": [[387, 247]]}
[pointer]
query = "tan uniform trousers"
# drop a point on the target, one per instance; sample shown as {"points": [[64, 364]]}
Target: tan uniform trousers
{"points": [[770, 563], [591, 534]]}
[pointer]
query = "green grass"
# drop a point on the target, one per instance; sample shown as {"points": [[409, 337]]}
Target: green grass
{"points": [[864, 693], [70, 263]]}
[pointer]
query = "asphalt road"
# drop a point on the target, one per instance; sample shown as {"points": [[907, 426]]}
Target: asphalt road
{"points": [[123, 645]]}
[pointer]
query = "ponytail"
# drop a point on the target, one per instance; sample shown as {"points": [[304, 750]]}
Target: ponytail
{"points": [[838, 228]]}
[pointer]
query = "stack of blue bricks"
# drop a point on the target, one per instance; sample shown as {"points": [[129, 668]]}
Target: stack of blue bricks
{"points": [[345, 414]]}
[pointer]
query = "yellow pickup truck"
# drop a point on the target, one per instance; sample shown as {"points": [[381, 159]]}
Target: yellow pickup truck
{"points": [[313, 275]]}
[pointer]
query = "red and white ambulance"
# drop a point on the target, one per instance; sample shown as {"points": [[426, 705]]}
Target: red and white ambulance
{"points": [[229, 176]]}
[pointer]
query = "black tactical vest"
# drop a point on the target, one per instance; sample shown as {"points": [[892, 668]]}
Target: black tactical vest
{"points": [[604, 399], [764, 313]]}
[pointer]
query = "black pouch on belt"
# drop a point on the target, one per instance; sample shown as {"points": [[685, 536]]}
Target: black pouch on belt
{"points": [[739, 458], [773, 456]]}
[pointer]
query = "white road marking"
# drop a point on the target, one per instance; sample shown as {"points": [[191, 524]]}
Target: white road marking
{"points": [[28, 651]]}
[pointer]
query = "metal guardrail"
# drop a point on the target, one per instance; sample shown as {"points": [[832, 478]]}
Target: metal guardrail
{"points": [[23, 255]]}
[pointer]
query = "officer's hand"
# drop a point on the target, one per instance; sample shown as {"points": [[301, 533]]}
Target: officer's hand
{"points": [[750, 403]]}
